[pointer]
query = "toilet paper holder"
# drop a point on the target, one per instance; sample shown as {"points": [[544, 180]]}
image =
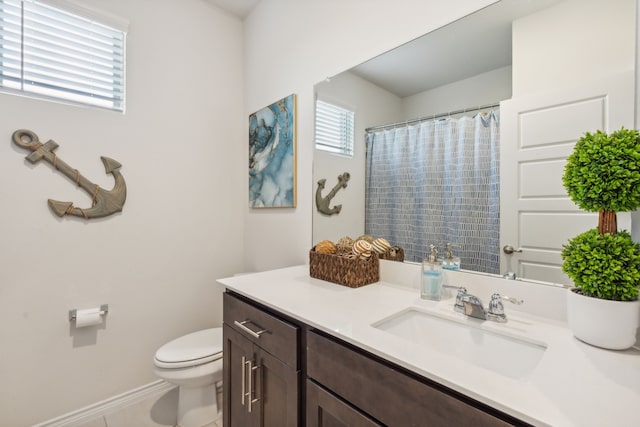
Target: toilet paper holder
{"points": [[104, 309]]}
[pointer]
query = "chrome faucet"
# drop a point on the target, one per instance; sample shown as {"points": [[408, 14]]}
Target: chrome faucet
{"points": [[471, 305], [460, 297], [496, 309], [473, 308], [468, 304]]}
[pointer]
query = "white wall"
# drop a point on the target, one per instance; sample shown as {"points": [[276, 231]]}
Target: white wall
{"points": [[155, 264], [290, 45], [486, 88], [574, 40]]}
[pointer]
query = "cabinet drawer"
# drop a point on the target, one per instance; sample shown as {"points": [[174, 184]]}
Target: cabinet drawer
{"points": [[386, 393], [276, 336], [326, 410]]}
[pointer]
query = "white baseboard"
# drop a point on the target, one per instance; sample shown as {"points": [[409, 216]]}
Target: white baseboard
{"points": [[109, 405]]}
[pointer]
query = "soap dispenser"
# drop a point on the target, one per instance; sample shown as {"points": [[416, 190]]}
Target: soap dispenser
{"points": [[431, 279], [451, 262]]}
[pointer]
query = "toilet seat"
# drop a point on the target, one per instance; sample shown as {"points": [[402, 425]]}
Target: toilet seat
{"points": [[192, 349]]}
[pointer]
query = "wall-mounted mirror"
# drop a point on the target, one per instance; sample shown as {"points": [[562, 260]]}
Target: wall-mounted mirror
{"points": [[510, 51]]}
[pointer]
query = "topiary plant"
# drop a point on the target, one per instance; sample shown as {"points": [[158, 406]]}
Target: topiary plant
{"points": [[603, 174], [603, 266]]}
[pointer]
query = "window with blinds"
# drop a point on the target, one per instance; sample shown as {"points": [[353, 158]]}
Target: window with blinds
{"points": [[50, 53], [334, 128]]}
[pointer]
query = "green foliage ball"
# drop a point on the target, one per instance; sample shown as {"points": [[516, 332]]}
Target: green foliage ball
{"points": [[604, 266], [603, 172]]}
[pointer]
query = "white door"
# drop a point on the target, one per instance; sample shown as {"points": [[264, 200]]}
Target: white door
{"points": [[537, 133]]}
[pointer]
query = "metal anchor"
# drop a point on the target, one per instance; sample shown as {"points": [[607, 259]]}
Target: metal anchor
{"points": [[322, 203], [104, 202]]}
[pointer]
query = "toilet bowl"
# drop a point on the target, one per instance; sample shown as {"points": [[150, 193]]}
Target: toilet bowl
{"points": [[194, 363]]}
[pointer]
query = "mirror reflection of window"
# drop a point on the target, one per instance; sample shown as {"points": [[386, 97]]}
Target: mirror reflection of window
{"points": [[334, 128]]}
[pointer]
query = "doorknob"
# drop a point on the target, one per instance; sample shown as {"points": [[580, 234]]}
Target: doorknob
{"points": [[508, 249]]}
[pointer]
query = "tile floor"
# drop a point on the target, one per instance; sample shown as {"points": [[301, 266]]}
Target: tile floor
{"points": [[156, 411]]}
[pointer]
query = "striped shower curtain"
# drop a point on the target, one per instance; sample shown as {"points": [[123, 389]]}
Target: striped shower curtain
{"points": [[437, 182]]}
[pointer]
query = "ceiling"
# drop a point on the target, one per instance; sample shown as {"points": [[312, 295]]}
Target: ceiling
{"points": [[473, 45], [239, 8]]}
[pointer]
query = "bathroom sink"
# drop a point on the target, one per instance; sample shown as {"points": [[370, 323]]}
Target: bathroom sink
{"points": [[466, 339]]}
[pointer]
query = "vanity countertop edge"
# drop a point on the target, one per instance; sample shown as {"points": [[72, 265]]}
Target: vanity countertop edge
{"points": [[574, 384]]}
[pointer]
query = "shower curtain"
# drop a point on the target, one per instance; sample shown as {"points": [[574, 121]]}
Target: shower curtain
{"points": [[437, 182]]}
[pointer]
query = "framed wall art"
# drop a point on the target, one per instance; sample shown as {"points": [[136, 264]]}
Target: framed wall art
{"points": [[272, 155]]}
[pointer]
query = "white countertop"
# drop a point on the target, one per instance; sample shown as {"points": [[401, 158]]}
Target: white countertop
{"points": [[574, 384]]}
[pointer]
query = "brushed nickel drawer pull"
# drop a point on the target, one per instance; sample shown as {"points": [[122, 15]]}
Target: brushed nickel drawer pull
{"points": [[250, 391], [252, 384], [242, 326], [244, 379]]}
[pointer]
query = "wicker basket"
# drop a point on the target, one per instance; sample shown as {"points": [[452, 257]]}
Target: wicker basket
{"points": [[351, 272], [396, 254]]}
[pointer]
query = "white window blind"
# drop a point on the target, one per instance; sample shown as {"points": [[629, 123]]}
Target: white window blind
{"points": [[334, 128], [51, 53]]}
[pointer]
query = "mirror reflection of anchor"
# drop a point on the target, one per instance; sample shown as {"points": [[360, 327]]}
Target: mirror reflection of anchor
{"points": [[322, 203], [103, 202]]}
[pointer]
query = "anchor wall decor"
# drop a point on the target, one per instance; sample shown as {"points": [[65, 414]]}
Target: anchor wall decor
{"points": [[322, 203], [104, 202]]}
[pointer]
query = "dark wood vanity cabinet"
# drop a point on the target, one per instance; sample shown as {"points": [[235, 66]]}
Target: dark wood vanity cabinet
{"points": [[283, 373], [386, 394], [324, 409], [261, 367]]}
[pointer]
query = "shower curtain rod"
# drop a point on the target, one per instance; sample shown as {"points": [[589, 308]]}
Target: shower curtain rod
{"points": [[431, 117]]}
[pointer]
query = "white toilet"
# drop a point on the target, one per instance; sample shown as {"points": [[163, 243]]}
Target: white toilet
{"points": [[194, 363]]}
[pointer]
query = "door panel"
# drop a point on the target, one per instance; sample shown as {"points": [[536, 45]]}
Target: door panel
{"points": [[561, 121], [277, 387], [326, 410], [542, 178], [236, 350], [537, 133], [532, 222]]}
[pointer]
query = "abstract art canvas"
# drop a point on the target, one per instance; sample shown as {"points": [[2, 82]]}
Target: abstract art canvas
{"points": [[272, 155]]}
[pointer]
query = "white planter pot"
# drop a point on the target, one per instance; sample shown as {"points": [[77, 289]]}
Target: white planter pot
{"points": [[603, 323]]}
